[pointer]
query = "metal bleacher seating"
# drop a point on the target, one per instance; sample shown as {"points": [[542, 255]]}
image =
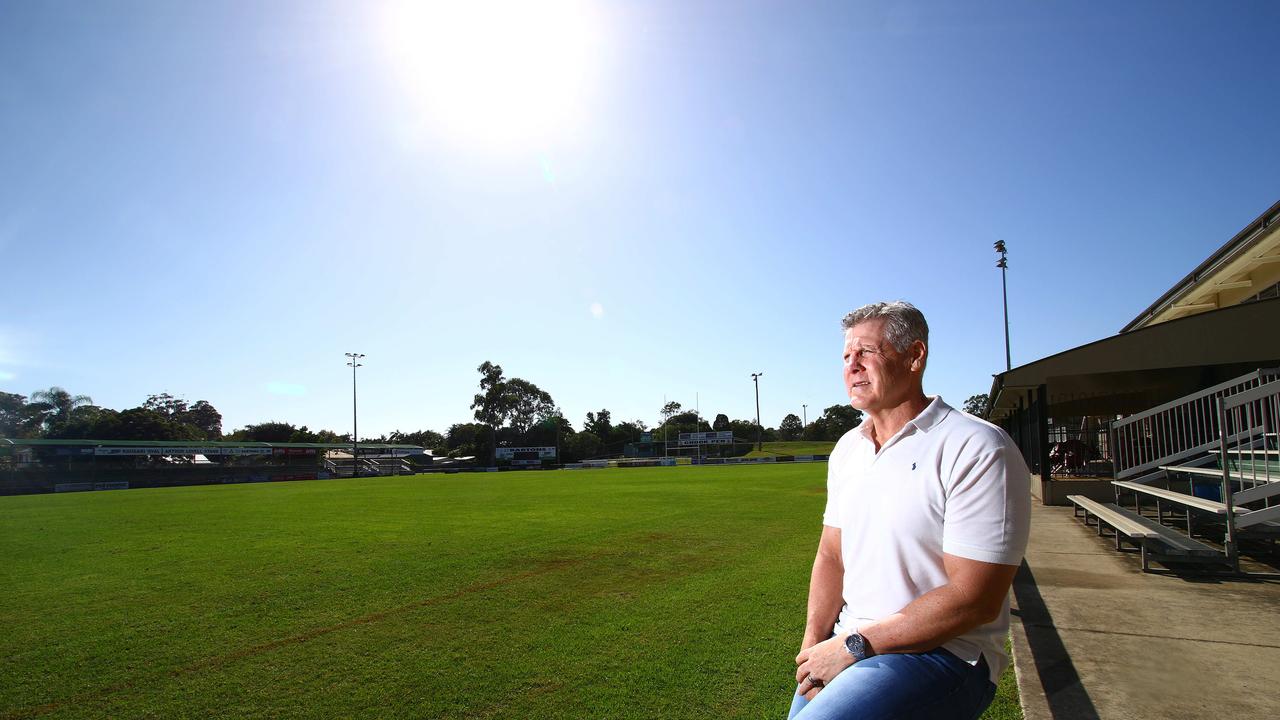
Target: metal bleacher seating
{"points": [[1206, 466]]}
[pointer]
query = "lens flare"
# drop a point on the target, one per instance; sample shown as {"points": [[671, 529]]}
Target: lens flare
{"points": [[496, 71]]}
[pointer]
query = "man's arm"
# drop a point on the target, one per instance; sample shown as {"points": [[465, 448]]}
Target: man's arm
{"points": [[826, 589], [973, 596]]}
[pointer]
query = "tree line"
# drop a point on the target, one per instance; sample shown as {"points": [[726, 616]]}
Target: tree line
{"points": [[514, 412], [57, 414], [506, 412]]}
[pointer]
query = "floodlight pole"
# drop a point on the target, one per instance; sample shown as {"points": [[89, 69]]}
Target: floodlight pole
{"points": [[805, 410], [354, 362], [755, 377], [1003, 264]]}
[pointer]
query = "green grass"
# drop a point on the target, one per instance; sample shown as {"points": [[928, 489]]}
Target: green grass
{"points": [[795, 447], [629, 593]]}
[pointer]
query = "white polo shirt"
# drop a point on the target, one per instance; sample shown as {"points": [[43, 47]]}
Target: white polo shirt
{"points": [[947, 482]]}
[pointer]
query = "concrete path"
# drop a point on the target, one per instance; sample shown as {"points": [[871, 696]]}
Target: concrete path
{"points": [[1095, 637]]}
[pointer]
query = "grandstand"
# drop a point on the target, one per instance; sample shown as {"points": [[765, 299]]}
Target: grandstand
{"points": [[1175, 416], [42, 465]]}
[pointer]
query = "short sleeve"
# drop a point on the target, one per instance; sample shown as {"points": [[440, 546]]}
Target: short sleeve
{"points": [[988, 507], [835, 481]]}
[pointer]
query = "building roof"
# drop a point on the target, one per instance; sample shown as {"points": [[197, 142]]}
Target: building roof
{"points": [[1247, 264], [1132, 371]]}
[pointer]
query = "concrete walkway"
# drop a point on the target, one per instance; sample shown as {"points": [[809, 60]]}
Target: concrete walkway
{"points": [[1095, 637]]}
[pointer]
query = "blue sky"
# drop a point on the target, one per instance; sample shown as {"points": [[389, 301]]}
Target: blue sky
{"points": [[619, 201]]}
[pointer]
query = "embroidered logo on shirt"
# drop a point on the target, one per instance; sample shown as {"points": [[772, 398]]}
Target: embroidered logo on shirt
{"points": [[913, 466]]}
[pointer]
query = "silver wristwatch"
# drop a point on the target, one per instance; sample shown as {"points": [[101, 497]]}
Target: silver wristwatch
{"points": [[857, 647]]}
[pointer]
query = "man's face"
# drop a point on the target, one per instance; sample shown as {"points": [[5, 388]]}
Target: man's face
{"points": [[876, 376]]}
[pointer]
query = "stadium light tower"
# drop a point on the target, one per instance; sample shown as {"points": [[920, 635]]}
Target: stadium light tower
{"points": [[1003, 264], [354, 362], [804, 409], [755, 377]]}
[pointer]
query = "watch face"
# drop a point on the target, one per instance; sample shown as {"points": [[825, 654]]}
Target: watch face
{"points": [[856, 647]]}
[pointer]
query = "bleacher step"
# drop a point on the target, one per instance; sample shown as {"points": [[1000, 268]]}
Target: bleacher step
{"points": [[1183, 499], [1156, 541]]}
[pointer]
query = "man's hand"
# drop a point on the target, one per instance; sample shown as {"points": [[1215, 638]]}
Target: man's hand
{"points": [[823, 662]]}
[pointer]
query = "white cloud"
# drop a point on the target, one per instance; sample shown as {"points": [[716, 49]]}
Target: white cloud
{"points": [[597, 310], [276, 387]]}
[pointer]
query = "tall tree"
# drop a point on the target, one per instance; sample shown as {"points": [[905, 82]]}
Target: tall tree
{"points": [[202, 415], [86, 422], [977, 405], [721, 423], [599, 424], [206, 418], [468, 440], [142, 424], [429, 439], [19, 418], [527, 403], [60, 403], [582, 446], [504, 400], [840, 419], [834, 422], [790, 427], [166, 404], [270, 432], [669, 410], [490, 405]]}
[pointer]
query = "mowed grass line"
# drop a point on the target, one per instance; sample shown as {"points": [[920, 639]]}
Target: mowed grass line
{"points": [[662, 592]]}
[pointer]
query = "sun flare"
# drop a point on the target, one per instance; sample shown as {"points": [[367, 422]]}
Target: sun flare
{"points": [[495, 71]]}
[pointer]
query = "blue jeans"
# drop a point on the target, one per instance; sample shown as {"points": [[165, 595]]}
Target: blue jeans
{"points": [[928, 686]]}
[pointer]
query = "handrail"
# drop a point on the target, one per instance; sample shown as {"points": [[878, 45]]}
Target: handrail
{"points": [[1254, 394], [1255, 375], [1253, 414]]}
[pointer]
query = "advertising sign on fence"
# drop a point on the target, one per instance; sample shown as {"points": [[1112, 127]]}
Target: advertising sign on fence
{"points": [[180, 450], [721, 437], [525, 453]]}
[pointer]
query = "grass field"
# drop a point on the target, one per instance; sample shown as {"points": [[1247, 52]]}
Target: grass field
{"points": [[629, 593]]}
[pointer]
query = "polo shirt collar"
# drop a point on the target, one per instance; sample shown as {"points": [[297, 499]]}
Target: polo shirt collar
{"points": [[929, 417]]}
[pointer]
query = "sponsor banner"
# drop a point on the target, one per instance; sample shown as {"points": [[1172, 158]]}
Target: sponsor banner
{"points": [[178, 450], [72, 487], [525, 453], [112, 485], [721, 437], [291, 451]]}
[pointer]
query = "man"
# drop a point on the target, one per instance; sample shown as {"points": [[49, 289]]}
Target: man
{"points": [[927, 516]]}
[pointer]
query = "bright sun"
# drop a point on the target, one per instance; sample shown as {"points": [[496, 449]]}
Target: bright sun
{"points": [[496, 72]]}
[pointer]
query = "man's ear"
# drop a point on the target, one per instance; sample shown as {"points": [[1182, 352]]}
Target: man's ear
{"points": [[918, 353]]}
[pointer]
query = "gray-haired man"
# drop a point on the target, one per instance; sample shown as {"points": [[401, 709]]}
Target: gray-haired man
{"points": [[927, 516]]}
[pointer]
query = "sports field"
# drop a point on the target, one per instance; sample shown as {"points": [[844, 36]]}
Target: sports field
{"points": [[624, 593]]}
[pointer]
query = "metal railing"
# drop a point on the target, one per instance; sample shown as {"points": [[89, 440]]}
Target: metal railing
{"points": [[1180, 429], [1249, 462], [1249, 421]]}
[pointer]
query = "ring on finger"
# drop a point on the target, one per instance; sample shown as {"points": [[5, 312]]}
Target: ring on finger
{"points": [[815, 682]]}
